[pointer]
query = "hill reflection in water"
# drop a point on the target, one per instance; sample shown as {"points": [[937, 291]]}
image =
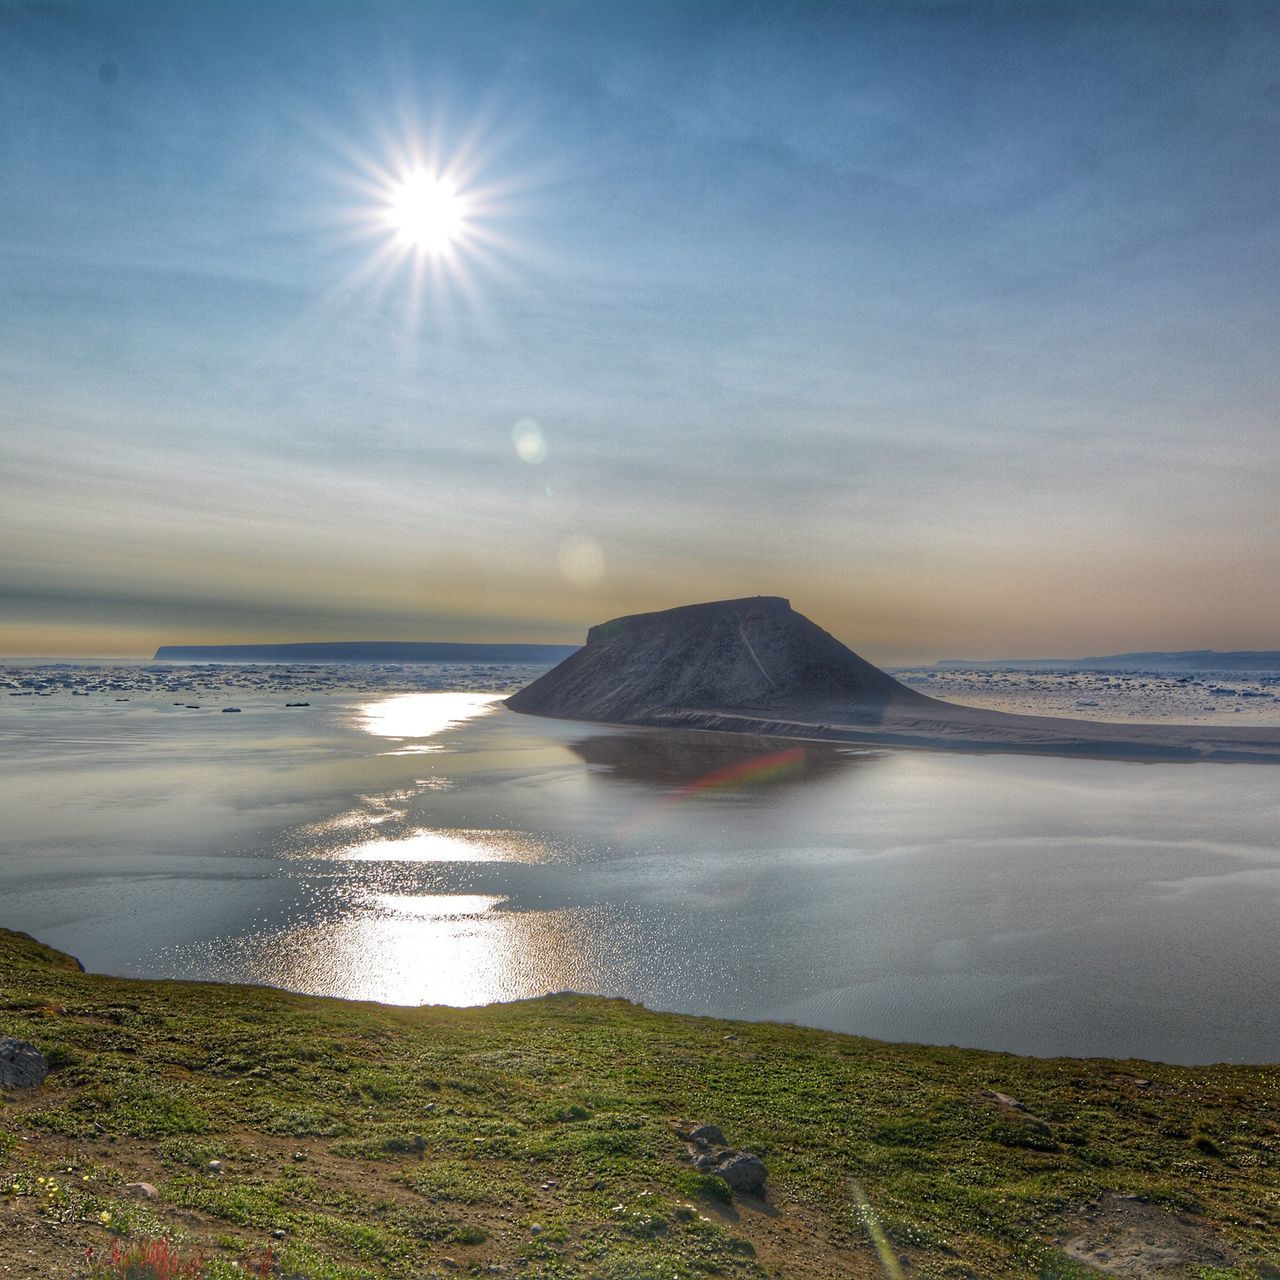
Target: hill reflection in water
{"points": [[692, 761]]}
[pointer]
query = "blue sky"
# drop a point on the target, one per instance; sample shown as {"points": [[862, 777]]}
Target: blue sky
{"points": [[954, 323]]}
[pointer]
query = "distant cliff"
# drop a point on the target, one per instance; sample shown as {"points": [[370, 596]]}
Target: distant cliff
{"points": [[756, 653], [1181, 660], [367, 651]]}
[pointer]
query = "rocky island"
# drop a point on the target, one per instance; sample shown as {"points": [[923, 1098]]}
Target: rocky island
{"points": [[757, 666]]}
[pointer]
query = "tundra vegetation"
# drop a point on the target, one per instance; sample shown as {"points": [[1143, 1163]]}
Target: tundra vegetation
{"points": [[255, 1131]]}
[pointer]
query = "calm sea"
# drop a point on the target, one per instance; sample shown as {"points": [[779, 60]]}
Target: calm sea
{"points": [[434, 847]]}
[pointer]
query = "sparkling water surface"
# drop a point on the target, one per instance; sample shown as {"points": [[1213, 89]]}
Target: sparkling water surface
{"points": [[434, 847]]}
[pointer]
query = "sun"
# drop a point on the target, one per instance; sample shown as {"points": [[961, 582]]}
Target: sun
{"points": [[426, 212], [427, 221]]}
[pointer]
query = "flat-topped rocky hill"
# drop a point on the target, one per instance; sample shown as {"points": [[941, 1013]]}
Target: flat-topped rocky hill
{"points": [[756, 653], [756, 666]]}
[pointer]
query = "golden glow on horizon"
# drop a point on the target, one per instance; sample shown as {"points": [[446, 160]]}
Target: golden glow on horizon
{"points": [[951, 607]]}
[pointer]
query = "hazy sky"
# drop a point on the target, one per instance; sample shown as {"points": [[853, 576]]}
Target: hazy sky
{"points": [[955, 323]]}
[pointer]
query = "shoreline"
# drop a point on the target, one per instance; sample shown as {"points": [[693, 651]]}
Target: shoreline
{"points": [[971, 729], [528, 1001], [67, 960]]}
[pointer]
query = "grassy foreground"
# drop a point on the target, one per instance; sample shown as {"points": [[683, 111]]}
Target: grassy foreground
{"points": [[535, 1140]]}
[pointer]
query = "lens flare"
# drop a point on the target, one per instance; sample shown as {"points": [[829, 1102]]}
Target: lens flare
{"points": [[581, 562], [530, 443], [762, 769], [875, 1232]]}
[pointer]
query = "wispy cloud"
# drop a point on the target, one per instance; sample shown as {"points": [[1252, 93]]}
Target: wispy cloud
{"points": [[954, 322]]}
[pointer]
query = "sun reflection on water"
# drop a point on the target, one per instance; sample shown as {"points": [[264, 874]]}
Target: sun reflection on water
{"points": [[456, 949], [450, 846], [434, 906], [422, 715]]}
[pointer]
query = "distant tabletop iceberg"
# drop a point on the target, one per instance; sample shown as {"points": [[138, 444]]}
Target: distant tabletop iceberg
{"points": [[1181, 660], [545, 655]]}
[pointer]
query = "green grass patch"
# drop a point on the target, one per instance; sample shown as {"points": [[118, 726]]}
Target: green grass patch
{"points": [[361, 1141]]}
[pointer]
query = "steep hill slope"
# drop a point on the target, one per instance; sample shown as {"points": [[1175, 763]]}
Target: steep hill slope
{"points": [[756, 666], [756, 653]]}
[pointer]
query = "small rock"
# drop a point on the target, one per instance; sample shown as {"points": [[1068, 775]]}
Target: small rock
{"points": [[214, 1166], [708, 1135], [742, 1171], [706, 1162], [536, 1229], [279, 1234], [1002, 1100], [143, 1190], [22, 1065], [1010, 1107], [449, 1264]]}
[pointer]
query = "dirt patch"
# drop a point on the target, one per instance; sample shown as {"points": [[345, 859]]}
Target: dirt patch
{"points": [[1127, 1236], [790, 1240], [782, 1236]]}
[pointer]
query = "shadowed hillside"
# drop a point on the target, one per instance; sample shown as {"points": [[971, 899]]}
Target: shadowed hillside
{"points": [[755, 666], [756, 654]]}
